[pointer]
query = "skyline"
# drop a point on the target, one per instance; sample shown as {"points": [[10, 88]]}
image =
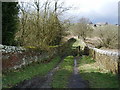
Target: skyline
{"points": [[95, 10]]}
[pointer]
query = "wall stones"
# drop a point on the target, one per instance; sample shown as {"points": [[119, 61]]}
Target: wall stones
{"points": [[16, 57], [6, 49], [106, 59]]}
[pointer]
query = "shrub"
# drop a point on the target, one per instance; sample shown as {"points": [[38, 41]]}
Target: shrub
{"points": [[108, 35]]}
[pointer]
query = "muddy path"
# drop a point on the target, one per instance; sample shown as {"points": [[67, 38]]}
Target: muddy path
{"points": [[39, 81], [76, 81]]}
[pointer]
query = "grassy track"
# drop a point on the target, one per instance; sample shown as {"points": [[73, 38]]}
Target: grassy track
{"points": [[97, 77], [11, 78], [60, 79]]}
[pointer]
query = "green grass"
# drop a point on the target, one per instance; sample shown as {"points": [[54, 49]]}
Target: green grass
{"points": [[60, 79], [97, 77], [86, 60], [11, 78], [101, 80]]}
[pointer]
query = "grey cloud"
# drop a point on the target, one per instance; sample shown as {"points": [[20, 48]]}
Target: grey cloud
{"points": [[108, 13]]}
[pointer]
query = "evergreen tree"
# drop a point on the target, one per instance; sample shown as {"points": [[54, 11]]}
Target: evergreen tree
{"points": [[9, 22]]}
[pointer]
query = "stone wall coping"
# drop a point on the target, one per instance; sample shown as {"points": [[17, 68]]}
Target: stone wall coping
{"points": [[7, 49], [110, 53]]}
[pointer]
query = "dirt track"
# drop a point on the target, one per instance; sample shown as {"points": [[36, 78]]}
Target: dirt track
{"points": [[75, 81]]}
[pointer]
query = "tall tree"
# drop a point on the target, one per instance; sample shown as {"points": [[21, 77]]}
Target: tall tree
{"points": [[41, 27], [9, 22]]}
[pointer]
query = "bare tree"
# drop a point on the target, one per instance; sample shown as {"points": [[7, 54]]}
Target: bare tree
{"points": [[83, 29], [41, 25], [23, 20], [109, 36]]}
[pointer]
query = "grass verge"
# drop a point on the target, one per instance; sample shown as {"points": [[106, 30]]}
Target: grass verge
{"points": [[11, 78], [60, 79], [98, 78]]}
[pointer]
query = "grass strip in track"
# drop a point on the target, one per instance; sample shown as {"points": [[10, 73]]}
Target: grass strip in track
{"points": [[97, 77], [11, 78], [61, 77]]}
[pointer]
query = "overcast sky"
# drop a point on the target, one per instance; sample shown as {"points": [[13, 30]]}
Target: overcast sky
{"points": [[95, 10]]}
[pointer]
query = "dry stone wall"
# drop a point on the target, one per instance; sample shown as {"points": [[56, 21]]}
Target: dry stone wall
{"points": [[15, 57], [106, 59]]}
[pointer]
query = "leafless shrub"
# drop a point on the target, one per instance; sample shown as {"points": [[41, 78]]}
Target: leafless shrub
{"points": [[82, 29], [40, 25], [108, 35]]}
